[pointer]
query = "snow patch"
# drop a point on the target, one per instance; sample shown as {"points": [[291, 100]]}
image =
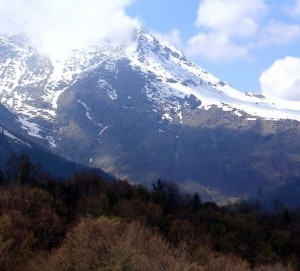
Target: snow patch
{"points": [[166, 116], [102, 131], [55, 97], [112, 94], [87, 113], [14, 138], [180, 116], [109, 90], [51, 142], [237, 113], [32, 128]]}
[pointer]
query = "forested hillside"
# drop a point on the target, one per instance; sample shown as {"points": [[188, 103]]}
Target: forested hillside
{"points": [[90, 223]]}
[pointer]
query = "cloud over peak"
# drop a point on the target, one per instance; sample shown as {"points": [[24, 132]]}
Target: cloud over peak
{"points": [[56, 26]]}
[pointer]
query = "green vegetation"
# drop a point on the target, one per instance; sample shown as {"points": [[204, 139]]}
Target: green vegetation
{"points": [[89, 223]]}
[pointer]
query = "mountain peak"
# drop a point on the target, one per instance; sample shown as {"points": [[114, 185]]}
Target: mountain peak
{"points": [[146, 41], [143, 111], [168, 75]]}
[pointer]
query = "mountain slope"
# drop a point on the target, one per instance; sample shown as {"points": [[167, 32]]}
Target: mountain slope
{"points": [[53, 164], [146, 112]]}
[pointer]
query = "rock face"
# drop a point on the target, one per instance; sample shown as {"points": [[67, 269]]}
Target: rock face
{"points": [[145, 112]]}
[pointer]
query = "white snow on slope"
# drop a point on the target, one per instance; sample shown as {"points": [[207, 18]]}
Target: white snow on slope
{"points": [[178, 77], [31, 128], [31, 85], [11, 136]]}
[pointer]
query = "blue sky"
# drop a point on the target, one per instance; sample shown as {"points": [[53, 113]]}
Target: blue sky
{"points": [[252, 44], [257, 33]]}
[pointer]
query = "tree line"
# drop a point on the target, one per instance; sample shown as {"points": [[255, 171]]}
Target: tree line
{"points": [[87, 222]]}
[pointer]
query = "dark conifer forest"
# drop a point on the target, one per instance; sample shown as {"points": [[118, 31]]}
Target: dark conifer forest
{"points": [[91, 222]]}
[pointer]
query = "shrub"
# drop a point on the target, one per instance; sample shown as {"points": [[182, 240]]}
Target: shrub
{"points": [[110, 244]]}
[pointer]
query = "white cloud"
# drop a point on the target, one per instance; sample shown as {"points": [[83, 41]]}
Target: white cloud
{"points": [[279, 33], [295, 9], [282, 79], [173, 37], [59, 25], [231, 17], [225, 27], [215, 46]]}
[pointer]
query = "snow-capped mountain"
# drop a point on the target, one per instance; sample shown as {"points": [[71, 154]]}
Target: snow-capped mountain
{"points": [[144, 112]]}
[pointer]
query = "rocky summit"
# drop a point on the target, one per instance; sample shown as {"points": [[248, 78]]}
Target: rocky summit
{"points": [[145, 112]]}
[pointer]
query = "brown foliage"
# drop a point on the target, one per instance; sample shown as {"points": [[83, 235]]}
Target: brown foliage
{"points": [[110, 244], [28, 225], [158, 230]]}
